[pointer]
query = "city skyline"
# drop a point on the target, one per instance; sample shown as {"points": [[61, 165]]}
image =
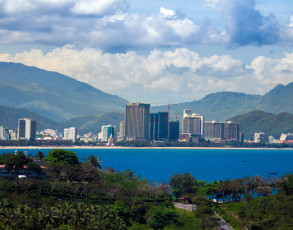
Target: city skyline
{"points": [[162, 50]]}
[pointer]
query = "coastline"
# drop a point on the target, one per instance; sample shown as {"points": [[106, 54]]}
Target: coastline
{"points": [[123, 147]]}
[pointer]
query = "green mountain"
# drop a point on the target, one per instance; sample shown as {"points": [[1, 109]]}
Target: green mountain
{"points": [[9, 118], [51, 94], [259, 121], [223, 105], [93, 123]]}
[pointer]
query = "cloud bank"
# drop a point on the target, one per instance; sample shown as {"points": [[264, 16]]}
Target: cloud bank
{"points": [[107, 25], [178, 75]]}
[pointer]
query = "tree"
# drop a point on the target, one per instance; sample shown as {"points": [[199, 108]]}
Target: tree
{"points": [[287, 185], [40, 156], [94, 161], [15, 161], [62, 157], [183, 183]]}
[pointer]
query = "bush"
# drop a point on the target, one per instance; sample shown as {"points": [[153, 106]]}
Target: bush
{"points": [[162, 217]]}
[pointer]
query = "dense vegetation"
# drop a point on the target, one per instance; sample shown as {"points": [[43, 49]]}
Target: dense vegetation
{"points": [[78, 195], [68, 194]]}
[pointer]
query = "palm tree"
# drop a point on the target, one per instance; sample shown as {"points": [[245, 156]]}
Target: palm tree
{"points": [[94, 161]]}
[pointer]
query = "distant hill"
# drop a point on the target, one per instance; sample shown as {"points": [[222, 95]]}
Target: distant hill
{"points": [[9, 118], [224, 105], [51, 94], [93, 123], [260, 121]]}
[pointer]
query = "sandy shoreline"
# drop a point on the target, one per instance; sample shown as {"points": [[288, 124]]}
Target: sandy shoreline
{"points": [[121, 147]]}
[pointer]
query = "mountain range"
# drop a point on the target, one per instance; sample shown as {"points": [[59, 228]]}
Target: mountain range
{"points": [[51, 94], [57, 101], [224, 105]]}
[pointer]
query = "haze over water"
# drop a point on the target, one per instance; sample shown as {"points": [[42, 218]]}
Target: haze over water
{"points": [[204, 164]]}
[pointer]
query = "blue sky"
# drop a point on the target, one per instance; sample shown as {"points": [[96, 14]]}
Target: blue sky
{"points": [[154, 51]]}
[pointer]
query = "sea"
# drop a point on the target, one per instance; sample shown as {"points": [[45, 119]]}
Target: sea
{"points": [[158, 165]]}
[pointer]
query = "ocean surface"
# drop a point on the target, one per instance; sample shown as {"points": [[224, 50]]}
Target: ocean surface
{"points": [[158, 165]]}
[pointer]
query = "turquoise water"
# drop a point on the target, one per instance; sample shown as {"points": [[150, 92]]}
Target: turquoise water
{"points": [[204, 164]]}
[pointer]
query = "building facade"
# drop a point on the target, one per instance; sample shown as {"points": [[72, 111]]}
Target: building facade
{"points": [[192, 123], [137, 125], [70, 134], [260, 138], [213, 131], [27, 129], [173, 131], [154, 126], [163, 119], [4, 133], [108, 131], [221, 131]]}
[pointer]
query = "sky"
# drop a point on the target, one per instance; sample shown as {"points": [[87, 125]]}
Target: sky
{"points": [[155, 51]]}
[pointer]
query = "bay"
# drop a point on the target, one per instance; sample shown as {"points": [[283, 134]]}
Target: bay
{"points": [[158, 165]]}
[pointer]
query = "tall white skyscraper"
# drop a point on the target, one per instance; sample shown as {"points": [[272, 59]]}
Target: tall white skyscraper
{"points": [[27, 129], [70, 134], [192, 123]]}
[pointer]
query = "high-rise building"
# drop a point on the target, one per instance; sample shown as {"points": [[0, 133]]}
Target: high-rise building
{"points": [[213, 130], [218, 131], [173, 131], [70, 134], [27, 129], [163, 118], [192, 123], [4, 133], [121, 130], [107, 132], [153, 126], [137, 126]]}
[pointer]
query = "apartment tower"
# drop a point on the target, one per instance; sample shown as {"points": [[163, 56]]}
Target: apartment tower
{"points": [[192, 123], [136, 119], [27, 129]]}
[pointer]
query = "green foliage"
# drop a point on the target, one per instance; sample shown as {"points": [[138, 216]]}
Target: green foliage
{"points": [[40, 156], [62, 157], [2, 159], [287, 185], [273, 212], [162, 217], [15, 162], [94, 161], [183, 183], [64, 215], [34, 167]]}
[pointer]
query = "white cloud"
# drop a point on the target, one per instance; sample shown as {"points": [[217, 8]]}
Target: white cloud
{"points": [[166, 13], [179, 75], [98, 7]]}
